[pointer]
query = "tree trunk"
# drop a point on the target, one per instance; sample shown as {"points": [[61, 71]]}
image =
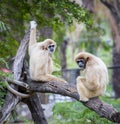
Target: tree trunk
{"points": [[36, 109], [116, 73], [63, 57], [114, 7], [89, 5]]}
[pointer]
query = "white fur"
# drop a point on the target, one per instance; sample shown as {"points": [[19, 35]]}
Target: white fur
{"points": [[33, 24]]}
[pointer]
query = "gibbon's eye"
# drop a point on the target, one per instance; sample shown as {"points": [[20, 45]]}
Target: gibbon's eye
{"points": [[51, 47], [81, 63]]}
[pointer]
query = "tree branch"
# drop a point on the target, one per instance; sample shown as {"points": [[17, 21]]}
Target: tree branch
{"points": [[103, 109], [110, 6], [106, 3]]}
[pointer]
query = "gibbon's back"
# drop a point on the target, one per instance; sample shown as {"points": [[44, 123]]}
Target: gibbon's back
{"points": [[100, 68]]}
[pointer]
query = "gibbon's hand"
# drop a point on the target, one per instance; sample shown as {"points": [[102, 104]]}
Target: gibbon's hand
{"points": [[33, 24]]}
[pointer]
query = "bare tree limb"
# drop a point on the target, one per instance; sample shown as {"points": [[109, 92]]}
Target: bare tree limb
{"points": [[101, 108]]}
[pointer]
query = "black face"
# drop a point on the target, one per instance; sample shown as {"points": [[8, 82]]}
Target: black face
{"points": [[51, 48], [81, 63]]}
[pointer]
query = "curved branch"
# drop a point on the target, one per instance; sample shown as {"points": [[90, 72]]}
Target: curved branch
{"points": [[15, 92], [103, 109]]}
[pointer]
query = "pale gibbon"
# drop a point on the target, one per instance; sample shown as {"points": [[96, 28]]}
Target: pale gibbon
{"points": [[95, 76], [41, 64]]}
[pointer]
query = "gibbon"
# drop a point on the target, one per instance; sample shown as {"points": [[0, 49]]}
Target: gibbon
{"points": [[41, 64], [95, 76]]}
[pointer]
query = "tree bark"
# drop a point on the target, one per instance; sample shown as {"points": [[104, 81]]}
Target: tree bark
{"points": [[115, 73], [63, 57], [63, 53], [89, 5]]}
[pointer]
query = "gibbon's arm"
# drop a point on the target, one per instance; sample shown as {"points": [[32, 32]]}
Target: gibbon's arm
{"points": [[32, 41], [92, 81]]}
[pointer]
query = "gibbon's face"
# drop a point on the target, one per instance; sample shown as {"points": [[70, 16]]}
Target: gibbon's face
{"points": [[81, 63], [51, 48]]}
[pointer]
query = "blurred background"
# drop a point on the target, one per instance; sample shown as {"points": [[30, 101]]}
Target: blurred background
{"points": [[76, 25]]}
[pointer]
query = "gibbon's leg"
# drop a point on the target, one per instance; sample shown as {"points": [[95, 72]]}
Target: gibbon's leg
{"points": [[51, 78], [82, 90], [50, 66], [32, 41]]}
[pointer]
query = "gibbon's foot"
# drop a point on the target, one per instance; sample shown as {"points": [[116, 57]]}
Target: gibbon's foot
{"points": [[33, 24], [57, 80], [84, 99]]}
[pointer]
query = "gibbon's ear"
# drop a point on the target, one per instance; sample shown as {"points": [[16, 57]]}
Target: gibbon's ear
{"points": [[43, 47], [88, 58]]}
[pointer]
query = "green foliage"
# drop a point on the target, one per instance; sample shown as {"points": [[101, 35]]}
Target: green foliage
{"points": [[52, 13], [8, 49], [66, 11], [3, 76], [3, 85], [3, 63], [91, 40], [8, 45], [75, 112], [2, 26], [15, 15]]}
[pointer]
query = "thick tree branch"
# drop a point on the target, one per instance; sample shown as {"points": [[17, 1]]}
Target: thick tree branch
{"points": [[103, 109]]}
